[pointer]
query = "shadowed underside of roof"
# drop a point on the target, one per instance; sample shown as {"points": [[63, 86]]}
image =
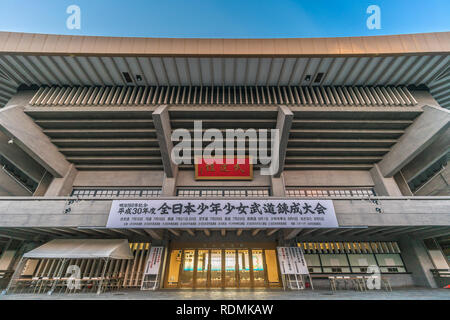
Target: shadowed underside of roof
{"points": [[428, 70]]}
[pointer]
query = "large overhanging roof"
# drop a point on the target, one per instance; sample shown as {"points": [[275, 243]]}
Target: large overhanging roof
{"points": [[34, 59]]}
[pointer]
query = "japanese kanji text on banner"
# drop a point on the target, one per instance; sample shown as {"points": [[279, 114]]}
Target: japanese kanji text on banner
{"points": [[222, 214]]}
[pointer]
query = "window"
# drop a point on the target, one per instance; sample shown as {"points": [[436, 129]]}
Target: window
{"points": [[352, 257], [223, 192], [329, 192], [116, 193]]}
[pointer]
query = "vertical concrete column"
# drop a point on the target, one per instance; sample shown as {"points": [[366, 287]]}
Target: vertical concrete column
{"points": [[284, 123], [384, 186], [417, 261], [278, 186], [62, 186], [161, 120], [169, 186]]}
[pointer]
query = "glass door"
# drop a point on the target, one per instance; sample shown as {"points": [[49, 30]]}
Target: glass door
{"points": [[216, 268], [258, 268], [202, 268], [230, 268], [187, 270], [244, 268]]}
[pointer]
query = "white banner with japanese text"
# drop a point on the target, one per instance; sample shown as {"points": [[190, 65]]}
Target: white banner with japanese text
{"points": [[205, 213], [154, 260], [292, 260]]}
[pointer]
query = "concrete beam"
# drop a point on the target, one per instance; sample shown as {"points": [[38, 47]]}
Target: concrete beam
{"points": [[427, 157], [174, 232], [423, 132], [161, 120], [10, 187], [155, 234], [272, 231], [19, 158], [16, 125], [437, 185], [290, 234], [20, 212], [384, 186], [284, 123]]}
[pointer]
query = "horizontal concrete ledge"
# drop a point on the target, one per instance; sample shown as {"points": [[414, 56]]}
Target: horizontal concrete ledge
{"points": [[380, 211], [228, 198]]}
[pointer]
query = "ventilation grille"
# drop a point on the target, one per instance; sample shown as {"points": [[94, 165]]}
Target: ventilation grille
{"points": [[221, 95]]}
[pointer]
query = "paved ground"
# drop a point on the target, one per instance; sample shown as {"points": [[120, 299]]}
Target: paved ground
{"points": [[230, 294]]}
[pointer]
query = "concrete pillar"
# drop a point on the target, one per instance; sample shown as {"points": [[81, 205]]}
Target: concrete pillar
{"points": [[278, 186], [19, 127], [424, 131], [169, 186], [284, 123], [161, 121], [417, 261], [62, 186], [384, 186]]}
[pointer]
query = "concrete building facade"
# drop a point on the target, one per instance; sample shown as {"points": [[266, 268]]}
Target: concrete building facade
{"points": [[363, 122]]}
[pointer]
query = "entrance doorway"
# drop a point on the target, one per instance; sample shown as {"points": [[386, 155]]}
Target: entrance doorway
{"points": [[211, 268]]}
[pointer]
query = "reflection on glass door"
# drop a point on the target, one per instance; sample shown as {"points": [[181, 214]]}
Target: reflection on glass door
{"points": [[272, 268], [230, 268], [202, 268], [216, 268], [258, 268], [244, 268], [174, 268], [187, 270]]}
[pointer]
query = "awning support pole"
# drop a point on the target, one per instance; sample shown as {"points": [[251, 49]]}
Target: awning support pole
{"points": [[100, 285], [58, 276], [15, 275]]}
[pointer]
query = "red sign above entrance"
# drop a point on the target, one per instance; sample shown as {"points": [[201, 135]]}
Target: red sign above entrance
{"points": [[220, 169]]}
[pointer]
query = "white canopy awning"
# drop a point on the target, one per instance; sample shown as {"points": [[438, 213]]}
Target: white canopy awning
{"points": [[82, 249]]}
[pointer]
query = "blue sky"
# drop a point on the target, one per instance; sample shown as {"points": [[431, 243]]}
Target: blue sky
{"points": [[226, 18]]}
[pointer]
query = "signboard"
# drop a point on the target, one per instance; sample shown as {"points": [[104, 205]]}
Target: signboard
{"points": [[220, 169], [154, 260], [292, 260], [184, 213]]}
